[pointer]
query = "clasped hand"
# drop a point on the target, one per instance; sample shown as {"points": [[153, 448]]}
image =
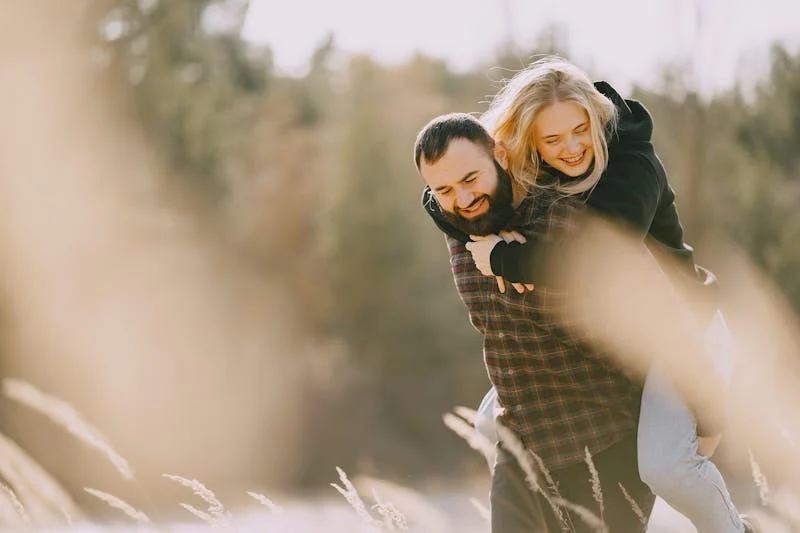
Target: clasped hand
{"points": [[481, 250]]}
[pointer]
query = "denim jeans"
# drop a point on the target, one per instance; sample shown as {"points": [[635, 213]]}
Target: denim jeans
{"points": [[668, 459]]}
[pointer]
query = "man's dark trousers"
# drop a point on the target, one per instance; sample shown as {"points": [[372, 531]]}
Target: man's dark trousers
{"points": [[516, 509]]}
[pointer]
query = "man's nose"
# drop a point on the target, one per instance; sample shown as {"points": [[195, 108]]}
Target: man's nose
{"points": [[464, 197]]}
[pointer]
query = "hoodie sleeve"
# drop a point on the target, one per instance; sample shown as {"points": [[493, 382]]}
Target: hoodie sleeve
{"points": [[629, 192]]}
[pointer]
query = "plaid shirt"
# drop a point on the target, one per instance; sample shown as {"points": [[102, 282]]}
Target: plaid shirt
{"points": [[560, 395]]}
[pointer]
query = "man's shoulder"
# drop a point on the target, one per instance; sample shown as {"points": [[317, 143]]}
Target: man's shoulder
{"points": [[548, 203], [453, 243], [455, 246]]}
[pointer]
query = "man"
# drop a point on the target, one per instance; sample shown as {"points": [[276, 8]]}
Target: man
{"points": [[562, 398]]}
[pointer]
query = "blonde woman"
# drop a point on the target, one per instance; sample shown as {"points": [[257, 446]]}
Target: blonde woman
{"points": [[563, 132]]}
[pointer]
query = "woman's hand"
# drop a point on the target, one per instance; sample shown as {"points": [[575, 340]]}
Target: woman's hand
{"points": [[481, 250], [706, 446]]}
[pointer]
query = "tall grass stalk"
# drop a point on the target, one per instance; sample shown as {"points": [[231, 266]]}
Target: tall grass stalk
{"points": [[348, 490], [16, 504], [120, 504], [216, 514], [597, 490], [266, 502], [44, 500], [759, 479], [68, 418], [635, 506]]}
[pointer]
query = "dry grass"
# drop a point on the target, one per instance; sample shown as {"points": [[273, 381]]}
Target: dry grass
{"points": [[68, 418], [635, 506], [122, 505], [17, 506], [759, 479], [215, 515], [263, 500], [348, 490], [33, 499], [597, 491], [34, 491]]}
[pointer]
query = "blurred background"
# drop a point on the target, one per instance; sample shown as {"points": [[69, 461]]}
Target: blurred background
{"points": [[212, 240]]}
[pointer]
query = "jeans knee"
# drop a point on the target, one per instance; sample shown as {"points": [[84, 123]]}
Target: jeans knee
{"points": [[665, 473]]}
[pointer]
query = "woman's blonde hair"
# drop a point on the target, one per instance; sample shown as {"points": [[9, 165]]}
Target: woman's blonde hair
{"points": [[514, 108]]}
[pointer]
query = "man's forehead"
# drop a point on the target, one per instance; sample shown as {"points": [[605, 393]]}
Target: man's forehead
{"points": [[464, 149], [461, 157]]}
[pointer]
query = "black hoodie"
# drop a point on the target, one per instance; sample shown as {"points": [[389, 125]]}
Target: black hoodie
{"points": [[633, 190]]}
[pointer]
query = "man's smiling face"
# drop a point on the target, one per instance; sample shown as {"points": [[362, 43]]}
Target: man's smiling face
{"points": [[471, 185]]}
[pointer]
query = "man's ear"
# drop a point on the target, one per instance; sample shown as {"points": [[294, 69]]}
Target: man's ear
{"points": [[501, 154]]}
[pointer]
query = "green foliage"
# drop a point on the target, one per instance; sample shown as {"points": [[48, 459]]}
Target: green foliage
{"points": [[194, 79], [772, 127], [769, 133], [735, 166]]}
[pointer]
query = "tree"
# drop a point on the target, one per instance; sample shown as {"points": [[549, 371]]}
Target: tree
{"points": [[770, 134], [195, 81]]}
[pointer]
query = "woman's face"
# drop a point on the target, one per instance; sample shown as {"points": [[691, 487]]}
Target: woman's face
{"points": [[563, 137]]}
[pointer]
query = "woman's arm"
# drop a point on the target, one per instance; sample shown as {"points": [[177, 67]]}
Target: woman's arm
{"points": [[629, 192]]}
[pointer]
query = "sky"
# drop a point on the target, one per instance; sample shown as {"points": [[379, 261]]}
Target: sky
{"points": [[622, 41]]}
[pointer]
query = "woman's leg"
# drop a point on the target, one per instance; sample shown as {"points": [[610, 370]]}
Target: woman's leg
{"points": [[485, 421], [668, 458]]}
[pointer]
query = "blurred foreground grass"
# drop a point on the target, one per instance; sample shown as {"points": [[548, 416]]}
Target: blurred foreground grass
{"points": [[33, 499]]}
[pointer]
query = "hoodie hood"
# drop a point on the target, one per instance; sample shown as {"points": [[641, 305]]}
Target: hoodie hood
{"points": [[635, 123]]}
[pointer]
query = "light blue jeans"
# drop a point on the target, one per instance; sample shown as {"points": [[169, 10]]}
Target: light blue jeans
{"points": [[667, 443], [668, 458]]}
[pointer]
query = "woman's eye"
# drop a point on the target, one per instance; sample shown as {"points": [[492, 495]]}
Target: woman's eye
{"points": [[552, 141]]}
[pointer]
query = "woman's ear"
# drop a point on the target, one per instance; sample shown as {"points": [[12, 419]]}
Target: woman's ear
{"points": [[501, 154]]}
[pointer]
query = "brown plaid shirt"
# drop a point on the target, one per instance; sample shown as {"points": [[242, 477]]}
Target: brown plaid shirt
{"points": [[560, 395]]}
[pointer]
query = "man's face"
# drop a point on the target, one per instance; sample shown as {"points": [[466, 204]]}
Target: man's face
{"points": [[472, 187]]}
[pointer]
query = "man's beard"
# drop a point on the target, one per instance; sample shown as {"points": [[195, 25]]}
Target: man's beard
{"points": [[496, 216]]}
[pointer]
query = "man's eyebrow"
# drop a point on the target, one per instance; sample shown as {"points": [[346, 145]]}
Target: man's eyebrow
{"points": [[464, 178]]}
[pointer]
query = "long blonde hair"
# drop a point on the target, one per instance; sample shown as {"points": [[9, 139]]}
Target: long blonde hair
{"points": [[514, 108]]}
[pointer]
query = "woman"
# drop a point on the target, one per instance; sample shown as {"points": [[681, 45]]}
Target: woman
{"points": [[563, 131]]}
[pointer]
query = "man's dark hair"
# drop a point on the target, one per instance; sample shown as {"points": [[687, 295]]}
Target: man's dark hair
{"points": [[435, 137]]}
